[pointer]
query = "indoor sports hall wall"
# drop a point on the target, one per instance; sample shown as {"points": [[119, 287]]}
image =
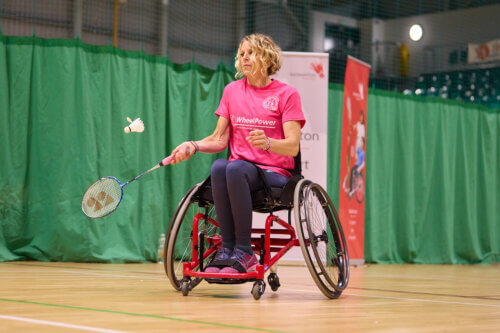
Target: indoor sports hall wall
{"points": [[432, 182]]}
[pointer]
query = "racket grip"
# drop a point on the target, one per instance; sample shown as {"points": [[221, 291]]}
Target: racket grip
{"points": [[166, 160]]}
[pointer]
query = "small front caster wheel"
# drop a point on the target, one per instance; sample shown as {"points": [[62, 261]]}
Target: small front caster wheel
{"points": [[185, 287], [258, 289]]}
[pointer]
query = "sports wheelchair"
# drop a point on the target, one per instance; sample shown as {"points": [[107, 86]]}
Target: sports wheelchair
{"points": [[193, 237]]}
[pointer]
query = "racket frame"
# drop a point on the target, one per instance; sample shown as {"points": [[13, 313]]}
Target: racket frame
{"points": [[111, 211], [165, 161]]}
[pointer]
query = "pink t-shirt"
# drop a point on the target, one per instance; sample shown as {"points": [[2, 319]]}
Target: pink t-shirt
{"points": [[266, 108]]}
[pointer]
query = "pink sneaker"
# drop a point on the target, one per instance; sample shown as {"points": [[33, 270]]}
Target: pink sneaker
{"points": [[223, 254], [243, 262]]}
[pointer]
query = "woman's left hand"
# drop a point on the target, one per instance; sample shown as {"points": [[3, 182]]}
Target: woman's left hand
{"points": [[258, 139]]}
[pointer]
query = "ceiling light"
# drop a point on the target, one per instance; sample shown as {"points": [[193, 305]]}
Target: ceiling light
{"points": [[416, 32]]}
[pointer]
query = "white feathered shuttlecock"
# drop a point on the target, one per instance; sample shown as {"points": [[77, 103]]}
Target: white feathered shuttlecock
{"points": [[135, 126]]}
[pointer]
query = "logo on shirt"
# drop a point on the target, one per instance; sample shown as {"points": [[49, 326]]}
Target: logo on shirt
{"points": [[244, 122], [271, 103]]}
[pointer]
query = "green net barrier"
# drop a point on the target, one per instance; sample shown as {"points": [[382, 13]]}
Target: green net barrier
{"points": [[432, 177], [64, 105]]}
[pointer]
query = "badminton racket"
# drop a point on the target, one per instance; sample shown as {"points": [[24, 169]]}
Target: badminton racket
{"points": [[105, 195]]}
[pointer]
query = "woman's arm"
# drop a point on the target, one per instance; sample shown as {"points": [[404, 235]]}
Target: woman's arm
{"points": [[217, 141], [214, 143], [289, 146]]}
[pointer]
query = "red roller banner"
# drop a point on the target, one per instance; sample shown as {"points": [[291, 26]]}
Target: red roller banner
{"points": [[353, 157]]}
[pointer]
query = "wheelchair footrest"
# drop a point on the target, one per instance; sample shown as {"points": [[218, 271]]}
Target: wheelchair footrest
{"points": [[228, 281], [226, 278]]}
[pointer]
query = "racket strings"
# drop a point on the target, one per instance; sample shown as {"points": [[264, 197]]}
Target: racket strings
{"points": [[102, 197]]}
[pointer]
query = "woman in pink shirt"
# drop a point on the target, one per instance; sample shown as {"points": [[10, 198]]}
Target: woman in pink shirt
{"points": [[261, 119]]}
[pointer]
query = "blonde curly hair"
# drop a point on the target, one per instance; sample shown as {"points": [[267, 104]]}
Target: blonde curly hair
{"points": [[265, 49]]}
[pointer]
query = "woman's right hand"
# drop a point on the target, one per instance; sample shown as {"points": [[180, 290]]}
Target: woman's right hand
{"points": [[182, 152]]}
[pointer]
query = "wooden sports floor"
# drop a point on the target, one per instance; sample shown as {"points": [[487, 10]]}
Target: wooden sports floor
{"points": [[65, 297]]}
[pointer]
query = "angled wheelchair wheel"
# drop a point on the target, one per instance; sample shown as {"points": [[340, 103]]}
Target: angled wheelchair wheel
{"points": [[359, 186], [179, 240], [321, 238]]}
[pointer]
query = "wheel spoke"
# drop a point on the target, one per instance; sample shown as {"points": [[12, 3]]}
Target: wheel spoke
{"points": [[326, 246], [180, 239]]}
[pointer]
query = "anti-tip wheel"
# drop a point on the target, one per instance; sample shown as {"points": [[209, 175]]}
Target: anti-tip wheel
{"points": [[274, 281]]}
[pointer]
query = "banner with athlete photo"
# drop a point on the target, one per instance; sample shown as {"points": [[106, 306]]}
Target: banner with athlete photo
{"points": [[308, 73], [353, 157]]}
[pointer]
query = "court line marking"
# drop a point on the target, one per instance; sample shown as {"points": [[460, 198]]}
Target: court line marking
{"points": [[59, 324], [78, 267], [49, 276], [115, 275], [47, 264], [404, 298], [45, 277], [432, 278], [425, 300], [308, 291], [142, 315], [490, 298], [24, 271], [383, 290]]}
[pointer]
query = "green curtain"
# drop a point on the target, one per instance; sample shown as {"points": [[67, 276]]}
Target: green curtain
{"points": [[432, 167], [63, 107], [432, 178], [335, 102], [432, 181]]}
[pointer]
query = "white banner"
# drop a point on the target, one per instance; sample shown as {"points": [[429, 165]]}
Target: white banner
{"points": [[485, 52], [308, 73]]}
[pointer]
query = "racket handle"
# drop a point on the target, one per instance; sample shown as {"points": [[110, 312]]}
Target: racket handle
{"points": [[166, 160]]}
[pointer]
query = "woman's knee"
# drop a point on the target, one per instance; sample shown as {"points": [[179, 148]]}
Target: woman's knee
{"points": [[239, 170], [219, 167]]}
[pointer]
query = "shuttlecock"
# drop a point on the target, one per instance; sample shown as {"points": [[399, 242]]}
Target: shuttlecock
{"points": [[135, 126]]}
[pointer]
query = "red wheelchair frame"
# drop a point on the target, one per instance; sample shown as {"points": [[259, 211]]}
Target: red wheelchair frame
{"points": [[278, 245], [317, 231]]}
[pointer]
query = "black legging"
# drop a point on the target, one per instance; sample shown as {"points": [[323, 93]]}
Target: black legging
{"points": [[232, 185]]}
